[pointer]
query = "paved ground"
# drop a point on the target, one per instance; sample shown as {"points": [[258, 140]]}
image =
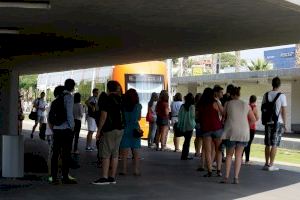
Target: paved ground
{"points": [[164, 176]]}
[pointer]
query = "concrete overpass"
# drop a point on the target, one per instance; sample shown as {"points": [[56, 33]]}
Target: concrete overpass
{"points": [[77, 34]]}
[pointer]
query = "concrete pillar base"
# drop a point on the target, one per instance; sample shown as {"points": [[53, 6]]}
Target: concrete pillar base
{"points": [[12, 156]]}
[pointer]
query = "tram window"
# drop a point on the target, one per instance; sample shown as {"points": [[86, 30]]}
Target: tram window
{"points": [[145, 85]]}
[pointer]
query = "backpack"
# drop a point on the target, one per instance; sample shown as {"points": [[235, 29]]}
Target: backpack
{"points": [[57, 113], [268, 110]]}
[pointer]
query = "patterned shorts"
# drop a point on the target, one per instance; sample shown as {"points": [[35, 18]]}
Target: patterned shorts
{"points": [[273, 134]]}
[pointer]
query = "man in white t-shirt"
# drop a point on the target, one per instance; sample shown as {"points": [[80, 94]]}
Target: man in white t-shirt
{"points": [[40, 106], [273, 132]]}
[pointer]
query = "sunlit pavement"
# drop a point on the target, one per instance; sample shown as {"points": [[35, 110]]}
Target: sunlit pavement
{"points": [[164, 176]]}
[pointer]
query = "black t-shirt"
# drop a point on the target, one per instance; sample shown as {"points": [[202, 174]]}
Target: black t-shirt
{"points": [[112, 104]]}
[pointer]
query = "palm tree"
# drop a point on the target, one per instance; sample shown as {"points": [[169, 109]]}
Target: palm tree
{"points": [[259, 65]]}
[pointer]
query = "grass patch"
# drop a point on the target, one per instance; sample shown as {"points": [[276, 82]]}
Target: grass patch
{"points": [[283, 155], [257, 151]]}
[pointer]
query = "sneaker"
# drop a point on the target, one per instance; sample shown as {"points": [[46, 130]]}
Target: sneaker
{"points": [[55, 182], [265, 167], [101, 181], [69, 181], [111, 180], [89, 149], [273, 168]]}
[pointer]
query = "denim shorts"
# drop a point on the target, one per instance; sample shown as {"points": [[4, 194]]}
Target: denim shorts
{"points": [[273, 134], [199, 133], [214, 134], [232, 144], [162, 121]]}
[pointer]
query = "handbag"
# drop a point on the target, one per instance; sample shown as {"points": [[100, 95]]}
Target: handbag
{"points": [[138, 133], [33, 114], [177, 131], [149, 116]]}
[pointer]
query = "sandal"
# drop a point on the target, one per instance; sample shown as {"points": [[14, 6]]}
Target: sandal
{"points": [[224, 181], [200, 169], [209, 174], [235, 181], [219, 173]]}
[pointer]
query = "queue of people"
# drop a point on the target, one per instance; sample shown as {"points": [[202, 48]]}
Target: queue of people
{"points": [[220, 122]]}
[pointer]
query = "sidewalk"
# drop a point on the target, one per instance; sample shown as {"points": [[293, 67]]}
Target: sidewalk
{"points": [[164, 176]]}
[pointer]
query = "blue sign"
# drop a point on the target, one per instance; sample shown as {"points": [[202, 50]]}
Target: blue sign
{"points": [[281, 58]]}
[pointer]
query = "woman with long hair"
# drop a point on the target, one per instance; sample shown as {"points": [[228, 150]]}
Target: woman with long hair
{"points": [[198, 138], [252, 104], [211, 127], [238, 116], [175, 107], [162, 111], [132, 114], [152, 121], [186, 123]]}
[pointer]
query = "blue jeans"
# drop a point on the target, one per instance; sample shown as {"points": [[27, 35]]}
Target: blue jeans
{"points": [[152, 133]]}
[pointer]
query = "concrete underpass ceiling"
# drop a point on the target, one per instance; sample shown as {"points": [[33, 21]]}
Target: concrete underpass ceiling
{"points": [[80, 33]]}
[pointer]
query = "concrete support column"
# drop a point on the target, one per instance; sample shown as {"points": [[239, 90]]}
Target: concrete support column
{"points": [[12, 144], [295, 99]]}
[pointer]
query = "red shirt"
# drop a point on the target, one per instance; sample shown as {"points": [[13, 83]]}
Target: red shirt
{"points": [[209, 118], [161, 109], [252, 126]]}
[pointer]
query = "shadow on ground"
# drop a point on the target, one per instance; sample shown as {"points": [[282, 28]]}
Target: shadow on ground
{"points": [[164, 176]]}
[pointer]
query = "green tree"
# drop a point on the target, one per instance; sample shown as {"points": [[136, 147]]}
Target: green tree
{"points": [[259, 65], [28, 81], [84, 88], [230, 60], [28, 86]]}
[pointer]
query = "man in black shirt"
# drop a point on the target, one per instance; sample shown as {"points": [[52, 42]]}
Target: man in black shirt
{"points": [[227, 96], [111, 125]]}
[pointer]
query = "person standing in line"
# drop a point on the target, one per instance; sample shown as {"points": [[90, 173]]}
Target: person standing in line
{"points": [[209, 117], [91, 104], [252, 104], [78, 114], [99, 140], [236, 132], [152, 119], [186, 124], [62, 132], [162, 111], [275, 128], [111, 126], [175, 107], [226, 97], [198, 139], [40, 106], [130, 141]]}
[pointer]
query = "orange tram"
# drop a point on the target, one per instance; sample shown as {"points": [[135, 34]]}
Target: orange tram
{"points": [[145, 78]]}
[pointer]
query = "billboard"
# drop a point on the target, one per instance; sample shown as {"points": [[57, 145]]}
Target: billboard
{"points": [[281, 58]]}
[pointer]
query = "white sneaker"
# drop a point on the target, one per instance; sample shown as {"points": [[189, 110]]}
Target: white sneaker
{"points": [[273, 168]]}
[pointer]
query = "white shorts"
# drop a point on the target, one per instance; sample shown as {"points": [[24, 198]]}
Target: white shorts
{"points": [[92, 126]]}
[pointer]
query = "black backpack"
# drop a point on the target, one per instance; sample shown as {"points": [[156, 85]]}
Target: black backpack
{"points": [[268, 110], [58, 114]]}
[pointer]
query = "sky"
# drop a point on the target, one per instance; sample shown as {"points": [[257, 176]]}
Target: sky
{"points": [[254, 54]]}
